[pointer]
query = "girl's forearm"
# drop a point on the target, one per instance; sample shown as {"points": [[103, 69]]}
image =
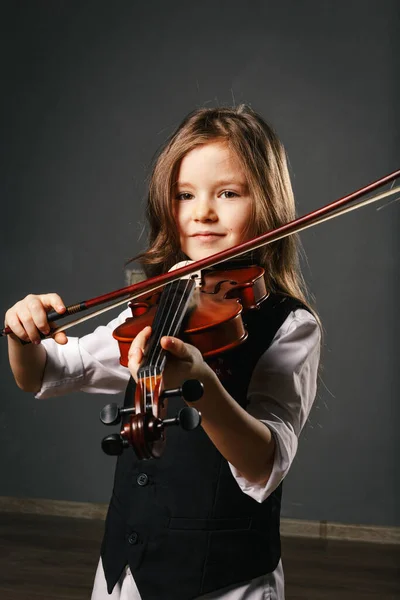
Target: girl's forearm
{"points": [[243, 440], [27, 364]]}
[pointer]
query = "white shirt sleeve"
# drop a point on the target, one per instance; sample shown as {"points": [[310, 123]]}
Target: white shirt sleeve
{"points": [[281, 393], [87, 364]]}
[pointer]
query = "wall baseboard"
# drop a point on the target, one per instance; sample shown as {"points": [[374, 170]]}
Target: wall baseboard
{"points": [[289, 527], [53, 508], [340, 531]]}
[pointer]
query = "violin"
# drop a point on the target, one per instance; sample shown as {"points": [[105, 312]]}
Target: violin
{"points": [[206, 311], [205, 308]]}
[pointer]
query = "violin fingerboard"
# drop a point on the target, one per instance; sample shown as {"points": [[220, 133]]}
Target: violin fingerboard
{"points": [[175, 300]]}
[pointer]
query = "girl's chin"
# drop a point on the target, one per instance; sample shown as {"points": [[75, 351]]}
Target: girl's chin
{"points": [[203, 254], [204, 250]]}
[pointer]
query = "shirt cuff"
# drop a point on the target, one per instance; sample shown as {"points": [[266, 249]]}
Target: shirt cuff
{"points": [[285, 449], [64, 371]]}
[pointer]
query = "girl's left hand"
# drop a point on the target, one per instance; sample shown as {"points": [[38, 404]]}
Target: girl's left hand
{"points": [[184, 360]]}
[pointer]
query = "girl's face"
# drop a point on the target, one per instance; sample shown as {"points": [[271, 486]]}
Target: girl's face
{"points": [[212, 202]]}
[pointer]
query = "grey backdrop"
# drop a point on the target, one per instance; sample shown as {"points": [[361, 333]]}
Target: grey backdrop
{"points": [[90, 90]]}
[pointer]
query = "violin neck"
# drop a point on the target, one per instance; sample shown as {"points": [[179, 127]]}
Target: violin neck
{"points": [[174, 303]]}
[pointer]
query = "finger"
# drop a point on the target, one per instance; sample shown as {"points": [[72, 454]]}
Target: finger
{"points": [[50, 301], [142, 338], [176, 347], [28, 317], [29, 325], [54, 301], [136, 351], [34, 311], [134, 359], [135, 354], [12, 321]]}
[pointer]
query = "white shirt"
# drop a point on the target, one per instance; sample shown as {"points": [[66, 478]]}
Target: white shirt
{"points": [[281, 390]]}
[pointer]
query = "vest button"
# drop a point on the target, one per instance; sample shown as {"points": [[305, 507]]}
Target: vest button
{"points": [[142, 479], [133, 538]]}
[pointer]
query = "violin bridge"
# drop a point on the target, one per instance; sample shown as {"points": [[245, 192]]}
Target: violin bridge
{"points": [[195, 276]]}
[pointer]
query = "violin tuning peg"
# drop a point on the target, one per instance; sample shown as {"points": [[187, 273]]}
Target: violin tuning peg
{"points": [[110, 414], [114, 444], [192, 390], [189, 418]]}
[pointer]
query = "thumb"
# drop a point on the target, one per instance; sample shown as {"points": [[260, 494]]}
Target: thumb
{"points": [[60, 338]]}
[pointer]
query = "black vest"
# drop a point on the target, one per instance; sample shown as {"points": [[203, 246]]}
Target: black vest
{"points": [[181, 522]]}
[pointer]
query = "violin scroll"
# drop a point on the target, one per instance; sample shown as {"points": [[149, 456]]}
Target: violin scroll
{"points": [[145, 432]]}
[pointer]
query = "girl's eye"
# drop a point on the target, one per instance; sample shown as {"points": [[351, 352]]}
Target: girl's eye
{"points": [[229, 194], [184, 196]]}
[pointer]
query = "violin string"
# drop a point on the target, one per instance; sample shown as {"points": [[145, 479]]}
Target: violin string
{"points": [[156, 286], [156, 325], [151, 391], [151, 368], [174, 323], [141, 383], [156, 352], [159, 321], [144, 390], [170, 302], [167, 308], [155, 338]]}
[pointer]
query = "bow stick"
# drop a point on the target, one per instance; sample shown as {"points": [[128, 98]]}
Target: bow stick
{"points": [[316, 217]]}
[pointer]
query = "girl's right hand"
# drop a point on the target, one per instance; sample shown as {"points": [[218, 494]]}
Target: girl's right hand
{"points": [[28, 318]]}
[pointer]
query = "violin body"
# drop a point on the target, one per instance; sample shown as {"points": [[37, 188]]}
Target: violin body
{"points": [[214, 323]]}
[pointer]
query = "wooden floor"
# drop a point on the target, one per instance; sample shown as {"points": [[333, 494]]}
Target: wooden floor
{"points": [[50, 558]]}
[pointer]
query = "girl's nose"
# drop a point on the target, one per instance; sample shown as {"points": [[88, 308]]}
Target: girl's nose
{"points": [[204, 210]]}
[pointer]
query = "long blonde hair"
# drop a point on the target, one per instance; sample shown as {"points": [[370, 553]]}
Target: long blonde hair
{"points": [[263, 158]]}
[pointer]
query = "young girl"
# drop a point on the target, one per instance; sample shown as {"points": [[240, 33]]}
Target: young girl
{"points": [[203, 520]]}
